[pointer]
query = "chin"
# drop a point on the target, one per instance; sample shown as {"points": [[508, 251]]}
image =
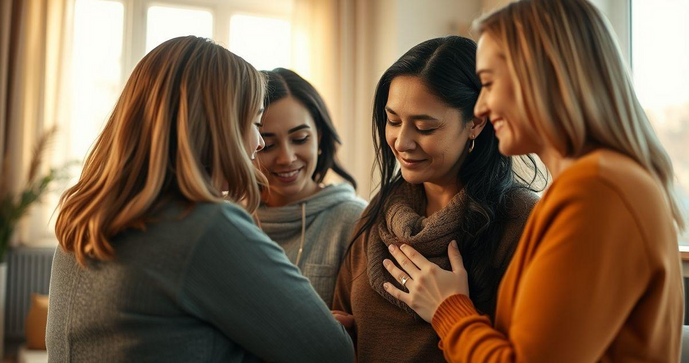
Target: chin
{"points": [[413, 178]]}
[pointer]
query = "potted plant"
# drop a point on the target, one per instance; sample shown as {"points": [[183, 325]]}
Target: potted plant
{"points": [[15, 205]]}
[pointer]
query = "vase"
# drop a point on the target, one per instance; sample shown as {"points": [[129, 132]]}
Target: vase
{"points": [[36, 321]]}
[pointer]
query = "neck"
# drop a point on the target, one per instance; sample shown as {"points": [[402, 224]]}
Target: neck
{"points": [[554, 161], [439, 196], [273, 199]]}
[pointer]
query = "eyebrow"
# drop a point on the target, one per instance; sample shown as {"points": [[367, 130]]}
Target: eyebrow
{"points": [[413, 117], [292, 130], [478, 73]]}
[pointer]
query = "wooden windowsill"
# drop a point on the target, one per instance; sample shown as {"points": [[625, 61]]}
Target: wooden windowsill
{"points": [[684, 252]]}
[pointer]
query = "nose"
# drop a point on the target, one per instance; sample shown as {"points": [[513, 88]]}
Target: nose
{"points": [[481, 109], [405, 140], [285, 155], [261, 143]]}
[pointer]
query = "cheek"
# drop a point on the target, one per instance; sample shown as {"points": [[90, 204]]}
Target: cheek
{"points": [[390, 138], [265, 160]]}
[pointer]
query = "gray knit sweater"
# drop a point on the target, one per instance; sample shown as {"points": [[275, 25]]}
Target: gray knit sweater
{"points": [[203, 286], [328, 222]]}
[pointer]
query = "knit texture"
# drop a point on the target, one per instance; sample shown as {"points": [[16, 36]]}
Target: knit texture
{"points": [[596, 277], [404, 223], [200, 285], [330, 217]]}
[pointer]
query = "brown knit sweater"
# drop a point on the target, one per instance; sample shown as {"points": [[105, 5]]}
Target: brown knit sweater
{"points": [[387, 333]]}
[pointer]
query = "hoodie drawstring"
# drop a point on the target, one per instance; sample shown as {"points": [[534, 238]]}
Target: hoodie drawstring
{"points": [[303, 231]]}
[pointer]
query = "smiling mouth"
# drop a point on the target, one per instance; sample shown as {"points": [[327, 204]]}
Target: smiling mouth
{"points": [[288, 174], [497, 123], [287, 177], [410, 163]]}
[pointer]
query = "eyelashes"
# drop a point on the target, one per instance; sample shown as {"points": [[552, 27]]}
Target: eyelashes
{"points": [[300, 141], [423, 132]]}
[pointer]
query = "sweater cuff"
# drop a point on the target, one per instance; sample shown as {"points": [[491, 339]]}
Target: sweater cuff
{"points": [[450, 312]]}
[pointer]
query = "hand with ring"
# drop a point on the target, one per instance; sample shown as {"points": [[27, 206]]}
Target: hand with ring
{"points": [[427, 284]]}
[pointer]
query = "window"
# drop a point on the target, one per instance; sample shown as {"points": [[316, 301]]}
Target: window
{"points": [[263, 42], [111, 36], [109, 41], [167, 22], [660, 49]]}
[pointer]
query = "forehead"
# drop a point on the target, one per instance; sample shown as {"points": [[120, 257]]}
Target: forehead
{"points": [[284, 114], [409, 94], [488, 52]]}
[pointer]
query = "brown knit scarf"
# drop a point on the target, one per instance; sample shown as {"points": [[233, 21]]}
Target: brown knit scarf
{"points": [[404, 223]]}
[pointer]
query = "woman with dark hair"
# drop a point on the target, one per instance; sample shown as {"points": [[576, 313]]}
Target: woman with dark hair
{"points": [[452, 184], [597, 276], [312, 222]]}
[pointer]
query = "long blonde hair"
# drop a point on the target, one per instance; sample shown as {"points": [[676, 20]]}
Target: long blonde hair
{"points": [[573, 86], [178, 128]]}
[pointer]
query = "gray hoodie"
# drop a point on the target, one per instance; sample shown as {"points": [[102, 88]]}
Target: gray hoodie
{"points": [[324, 222]]}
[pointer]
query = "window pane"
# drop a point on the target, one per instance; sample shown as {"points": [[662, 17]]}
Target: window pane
{"points": [[167, 22], [96, 70], [263, 42], [660, 49]]}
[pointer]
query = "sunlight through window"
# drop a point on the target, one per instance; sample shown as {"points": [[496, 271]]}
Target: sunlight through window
{"points": [[96, 70], [660, 49], [263, 42], [164, 22]]}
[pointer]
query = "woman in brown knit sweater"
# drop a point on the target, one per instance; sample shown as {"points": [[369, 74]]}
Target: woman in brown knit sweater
{"points": [[452, 184]]}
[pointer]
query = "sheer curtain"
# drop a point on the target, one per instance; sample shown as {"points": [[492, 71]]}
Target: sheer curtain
{"points": [[35, 45], [339, 46]]}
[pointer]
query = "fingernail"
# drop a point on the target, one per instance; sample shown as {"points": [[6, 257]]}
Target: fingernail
{"points": [[402, 247], [454, 244], [391, 248], [385, 285], [386, 263]]}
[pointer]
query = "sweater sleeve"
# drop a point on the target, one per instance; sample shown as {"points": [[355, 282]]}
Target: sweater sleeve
{"points": [[587, 271], [242, 283]]}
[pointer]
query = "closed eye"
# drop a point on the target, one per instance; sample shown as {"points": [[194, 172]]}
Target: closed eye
{"points": [[426, 132], [301, 141], [393, 123]]}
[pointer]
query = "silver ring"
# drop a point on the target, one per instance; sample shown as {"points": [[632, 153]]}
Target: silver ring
{"points": [[404, 281]]}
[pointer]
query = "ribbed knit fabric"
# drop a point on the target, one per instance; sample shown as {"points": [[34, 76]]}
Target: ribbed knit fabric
{"points": [[329, 220], [204, 285], [596, 277], [384, 331]]}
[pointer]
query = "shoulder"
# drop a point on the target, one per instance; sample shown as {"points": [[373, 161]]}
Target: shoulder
{"points": [[604, 176], [520, 202], [610, 193]]}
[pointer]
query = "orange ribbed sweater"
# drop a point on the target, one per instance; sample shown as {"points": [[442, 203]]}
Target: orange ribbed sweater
{"points": [[596, 277]]}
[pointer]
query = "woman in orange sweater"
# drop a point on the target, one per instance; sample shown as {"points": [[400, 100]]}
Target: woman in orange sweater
{"points": [[597, 275]]}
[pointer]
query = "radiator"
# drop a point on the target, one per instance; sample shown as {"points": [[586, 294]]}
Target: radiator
{"points": [[28, 271]]}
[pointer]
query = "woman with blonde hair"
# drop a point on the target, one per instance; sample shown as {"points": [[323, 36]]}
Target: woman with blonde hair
{"points": [[597, 274], [155, 264]]}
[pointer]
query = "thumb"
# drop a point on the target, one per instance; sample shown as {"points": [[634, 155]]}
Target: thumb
{"points": [[455, 257]]}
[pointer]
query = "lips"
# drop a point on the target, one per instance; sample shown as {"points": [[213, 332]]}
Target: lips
{"points": [[287, 176], [410, 163], [498, 123]]}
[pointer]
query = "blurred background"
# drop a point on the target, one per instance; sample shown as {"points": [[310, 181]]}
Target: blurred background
{"points": [[64, 63]]}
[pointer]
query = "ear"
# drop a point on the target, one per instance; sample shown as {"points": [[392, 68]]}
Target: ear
{"points": [[476, 125]]}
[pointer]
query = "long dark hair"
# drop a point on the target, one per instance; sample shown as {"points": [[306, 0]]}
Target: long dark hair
{"points": [[447, 66], [286, 83]]}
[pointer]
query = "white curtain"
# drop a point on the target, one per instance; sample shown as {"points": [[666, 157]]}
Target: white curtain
{"points": [[39, 97], [334, 47]]}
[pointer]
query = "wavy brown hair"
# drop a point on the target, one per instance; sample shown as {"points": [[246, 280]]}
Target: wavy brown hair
{"points": [[179, 128]]}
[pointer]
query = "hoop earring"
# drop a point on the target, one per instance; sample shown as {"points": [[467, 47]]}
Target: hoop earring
{"points": [[473, 144]]}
